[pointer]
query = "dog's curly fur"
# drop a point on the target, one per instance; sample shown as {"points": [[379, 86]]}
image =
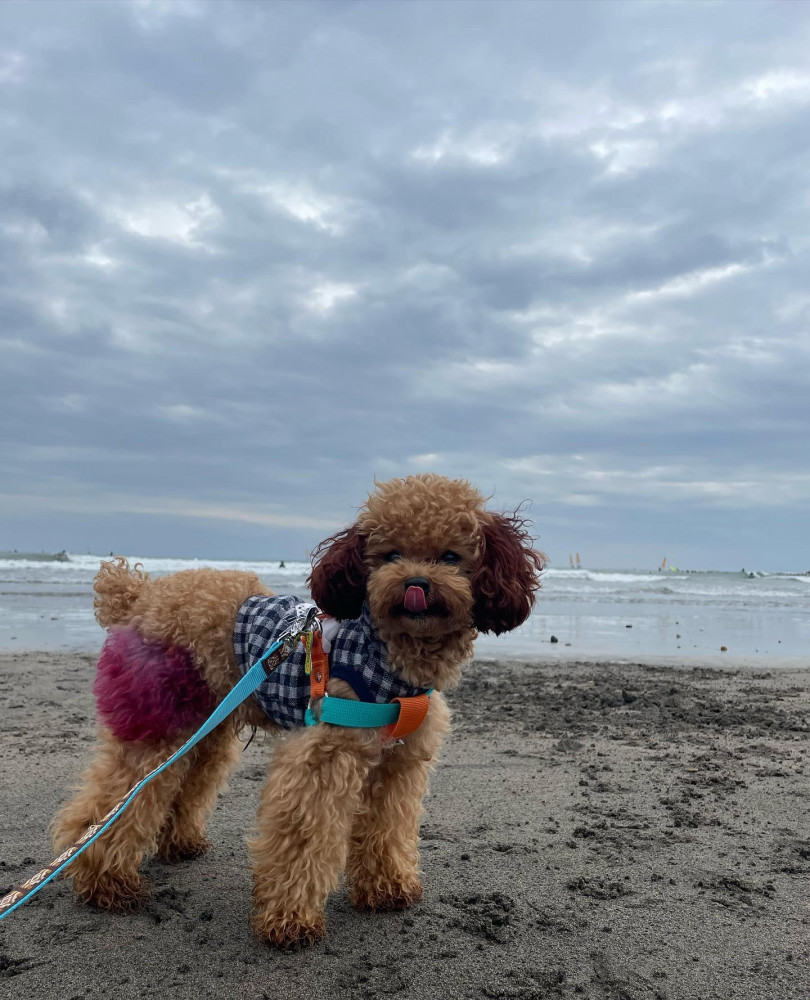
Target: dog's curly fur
{"points": [[335, 799]]}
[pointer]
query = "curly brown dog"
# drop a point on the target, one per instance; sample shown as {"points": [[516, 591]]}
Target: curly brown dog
{"points": [[429, 566]]}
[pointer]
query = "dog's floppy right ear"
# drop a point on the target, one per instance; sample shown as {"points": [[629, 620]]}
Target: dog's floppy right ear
{"points": [[505, 582], [338, 577]]}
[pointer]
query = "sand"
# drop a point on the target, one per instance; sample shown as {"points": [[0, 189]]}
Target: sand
{"points": [[594, 830]]}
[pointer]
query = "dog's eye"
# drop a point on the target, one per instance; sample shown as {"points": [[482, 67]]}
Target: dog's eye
{"points": [[392, 557], [452, 558]]}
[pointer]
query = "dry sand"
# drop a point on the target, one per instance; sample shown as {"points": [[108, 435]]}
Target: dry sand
{"points": [[594, 830]]}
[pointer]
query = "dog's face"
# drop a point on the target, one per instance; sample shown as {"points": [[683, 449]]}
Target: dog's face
{"points": [[422, 547], [430, 561]]}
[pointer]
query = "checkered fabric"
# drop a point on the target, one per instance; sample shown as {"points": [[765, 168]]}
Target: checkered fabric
{"points": [[358, 656]]}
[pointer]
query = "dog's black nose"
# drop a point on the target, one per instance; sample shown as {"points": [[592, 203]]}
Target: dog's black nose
{"points": [[418, 581]]}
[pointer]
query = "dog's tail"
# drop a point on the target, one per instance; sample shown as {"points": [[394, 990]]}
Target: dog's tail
{"points": [[117, 588]]}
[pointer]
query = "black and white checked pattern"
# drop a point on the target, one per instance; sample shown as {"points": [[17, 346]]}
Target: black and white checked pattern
{"points": [[357, 651]]}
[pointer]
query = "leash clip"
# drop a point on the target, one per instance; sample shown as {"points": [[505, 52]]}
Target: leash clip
{"points": [[305, 623], [306, 620]]}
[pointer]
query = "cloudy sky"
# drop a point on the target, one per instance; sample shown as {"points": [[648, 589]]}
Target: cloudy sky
{"points": [[254, 255]]}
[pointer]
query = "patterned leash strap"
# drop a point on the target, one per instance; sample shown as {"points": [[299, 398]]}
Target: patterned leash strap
{"points": [[305, 623]]}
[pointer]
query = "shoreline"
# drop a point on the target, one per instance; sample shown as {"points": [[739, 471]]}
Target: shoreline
{"points": [[711, 661], [544, 654], [619, 616], [605, 830]]}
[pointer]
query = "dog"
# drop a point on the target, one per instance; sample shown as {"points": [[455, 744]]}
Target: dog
{"points": [[424, 568]]}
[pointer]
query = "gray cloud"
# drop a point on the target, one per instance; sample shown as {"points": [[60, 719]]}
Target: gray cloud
{"points": [[254, 255]]}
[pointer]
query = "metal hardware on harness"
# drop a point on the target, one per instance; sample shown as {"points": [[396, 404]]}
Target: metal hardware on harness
{"points": [[305, 623]]}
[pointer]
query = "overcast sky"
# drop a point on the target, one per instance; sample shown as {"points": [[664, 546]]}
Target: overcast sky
{"points": [[253, 255]]}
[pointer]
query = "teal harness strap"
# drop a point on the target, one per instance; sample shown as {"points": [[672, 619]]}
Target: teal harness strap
{"points": [[355, 714]]}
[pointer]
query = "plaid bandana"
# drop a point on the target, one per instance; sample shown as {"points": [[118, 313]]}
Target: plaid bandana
{"points": [[358, 656]]}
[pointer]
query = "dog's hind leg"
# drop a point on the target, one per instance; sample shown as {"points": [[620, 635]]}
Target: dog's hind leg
{"points": [[107, 872], [383, 861], [305, 818], [211, 763]]}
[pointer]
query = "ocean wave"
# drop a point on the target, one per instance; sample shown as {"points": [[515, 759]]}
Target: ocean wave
{"points": [[559, 584], [81, 569], [608, 576]]}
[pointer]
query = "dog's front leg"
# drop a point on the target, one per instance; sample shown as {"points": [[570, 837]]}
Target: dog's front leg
{"points": [[383, 863], [305, 818]]}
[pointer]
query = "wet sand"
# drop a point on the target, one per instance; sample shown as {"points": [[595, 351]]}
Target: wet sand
{"points": [[594, 831]]}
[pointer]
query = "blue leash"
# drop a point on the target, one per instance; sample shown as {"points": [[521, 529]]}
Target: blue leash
{"points": [[246, 686], [337, 711]]}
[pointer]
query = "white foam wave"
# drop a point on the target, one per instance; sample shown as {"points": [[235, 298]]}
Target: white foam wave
{"points": [[82, 568], [577, 586]]}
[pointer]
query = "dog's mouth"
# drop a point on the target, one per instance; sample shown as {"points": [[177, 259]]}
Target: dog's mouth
{"points": [[416, 600], [418, 610]]}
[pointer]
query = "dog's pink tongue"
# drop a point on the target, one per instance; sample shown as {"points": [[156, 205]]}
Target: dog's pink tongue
{"points": [[415, 600]]}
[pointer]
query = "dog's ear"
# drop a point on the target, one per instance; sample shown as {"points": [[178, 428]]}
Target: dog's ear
{"points": [[508, 576], [338, 577]]}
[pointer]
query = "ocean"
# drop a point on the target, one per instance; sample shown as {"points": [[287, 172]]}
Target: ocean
{"points": [[623, 615]]}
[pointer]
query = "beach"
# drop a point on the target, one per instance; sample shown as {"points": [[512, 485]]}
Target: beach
{"points": [[595, 829]]}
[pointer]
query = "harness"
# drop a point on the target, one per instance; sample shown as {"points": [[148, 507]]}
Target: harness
{"points": [[397, 718], [295, 695]]}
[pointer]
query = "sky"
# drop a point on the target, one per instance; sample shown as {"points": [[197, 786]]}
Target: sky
{"points": [[253, 256]]}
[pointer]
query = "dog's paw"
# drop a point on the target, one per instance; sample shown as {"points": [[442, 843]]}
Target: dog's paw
{"points": [[174, 849], [386, 895], [288, 930], [112, 893]]}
